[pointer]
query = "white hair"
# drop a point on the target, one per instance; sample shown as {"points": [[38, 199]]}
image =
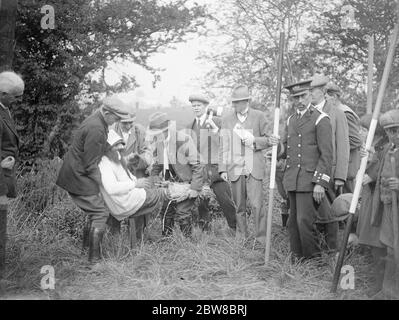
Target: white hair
{"points": [[10, 81]]}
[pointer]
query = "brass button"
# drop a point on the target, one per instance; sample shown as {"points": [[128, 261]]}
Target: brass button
{"points": [[299, 155], [299, 145], [299, 165]]}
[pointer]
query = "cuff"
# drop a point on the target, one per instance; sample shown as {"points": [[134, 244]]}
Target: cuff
{"points": [[321, 179]]}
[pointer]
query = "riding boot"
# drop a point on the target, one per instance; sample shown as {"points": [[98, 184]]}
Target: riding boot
{"points": [[3, 238], [168, 227], [95, 239], [86, 235], [114, 225]]}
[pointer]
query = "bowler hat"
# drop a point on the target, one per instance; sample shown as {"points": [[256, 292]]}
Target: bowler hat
{"points": [[298, 88], [114, 138], [240, 93], [198, 97], [159, 122], [319, 80], [115, 105], [390, 119], [341, 205]]}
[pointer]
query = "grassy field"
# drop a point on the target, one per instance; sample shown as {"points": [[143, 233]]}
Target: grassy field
{"points": [[45, 229]]}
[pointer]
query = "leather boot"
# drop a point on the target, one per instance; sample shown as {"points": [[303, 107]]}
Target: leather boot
{"points": [[86, 235], [186, 229], [95, 239], [114, 226], [3, 238], [168, 227]]}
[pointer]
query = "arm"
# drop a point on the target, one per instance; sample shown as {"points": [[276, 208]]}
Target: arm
{"points": [[262, 142], [322, 175], [355, 140], [342, 146], [3, 184], [224, 148], [111, 185], [94, 146], [144, 149], [197, 169]]}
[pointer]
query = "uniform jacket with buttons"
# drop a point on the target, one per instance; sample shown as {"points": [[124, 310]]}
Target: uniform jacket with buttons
{"points": [[9, 144], [234, 157], [307, 146]]}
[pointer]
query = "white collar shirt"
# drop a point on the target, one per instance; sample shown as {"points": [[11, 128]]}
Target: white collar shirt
{"points": [[242, 116], [321, 105]]}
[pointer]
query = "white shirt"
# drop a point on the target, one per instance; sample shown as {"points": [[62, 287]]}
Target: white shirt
{"points": [[320, 106], [201, 120], [242, 117]]}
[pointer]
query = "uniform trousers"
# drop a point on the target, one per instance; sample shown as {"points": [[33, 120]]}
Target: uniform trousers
{"points": [[95, 207], [302, 224], [247, 187]]}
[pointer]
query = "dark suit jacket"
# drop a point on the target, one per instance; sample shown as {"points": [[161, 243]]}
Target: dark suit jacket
{"points": [[233, 155], [79, 173], [9, 145], [308, 150], [182, 158]]}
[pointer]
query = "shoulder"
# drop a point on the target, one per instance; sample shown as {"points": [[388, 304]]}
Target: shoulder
{"points": [[320, 116]]}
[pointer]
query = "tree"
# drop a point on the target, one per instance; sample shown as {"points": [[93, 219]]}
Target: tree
{"points": [[8, 9], [57, 64]]}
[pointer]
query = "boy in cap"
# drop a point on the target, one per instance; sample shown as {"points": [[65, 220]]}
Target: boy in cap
{"points": [[80, 175], [307, 147], [204, 131], [386, 193]]}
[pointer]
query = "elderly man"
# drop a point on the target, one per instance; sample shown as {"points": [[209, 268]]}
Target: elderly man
{"points": [[80, 175], [307, 146], [241, 160], [11, 91], [175, 156], [340, 142], [205, 133], [333, 93]]}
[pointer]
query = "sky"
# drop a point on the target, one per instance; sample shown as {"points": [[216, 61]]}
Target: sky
{"points": [[181, 69]]}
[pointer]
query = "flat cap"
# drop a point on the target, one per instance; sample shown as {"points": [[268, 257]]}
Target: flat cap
{"points": [[240, 93], [331, 87], [158, 123], [319, 80], [341, 205], [390, 119], [198, 97], [115, 105], [298, 88]]}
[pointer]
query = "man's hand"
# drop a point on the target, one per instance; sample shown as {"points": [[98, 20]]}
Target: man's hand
{"points": [[8, 163], [192, 194], [224, 176], [248, 140], [143, 183], [3, 200], [393, 183], [365, 153], [366, 179], [274, 140], [318, 193]]}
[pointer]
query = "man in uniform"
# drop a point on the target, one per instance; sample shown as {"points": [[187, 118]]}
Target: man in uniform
{"points": [[355, 141], [175, 156], [205, 133], [340, 142], [80, 175], [11, 91], [307, 146], [241, 160]]}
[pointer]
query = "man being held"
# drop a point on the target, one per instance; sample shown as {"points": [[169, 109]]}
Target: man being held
{"points": [[80, 175], [11, 91], [205, 134]]}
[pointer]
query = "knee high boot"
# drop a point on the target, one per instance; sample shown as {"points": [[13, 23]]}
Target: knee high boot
{"points": [[86, 234], [95, 239], [3, 239]]}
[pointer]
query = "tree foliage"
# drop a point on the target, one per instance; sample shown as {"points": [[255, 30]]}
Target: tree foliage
{"points": [[57, 64]]}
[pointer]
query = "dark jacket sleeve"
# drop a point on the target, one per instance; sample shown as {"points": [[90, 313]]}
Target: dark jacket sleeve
{"points": [[322, 175], [3, 184], [94, 147], [262, 142], [197, 169], [355, 140]]}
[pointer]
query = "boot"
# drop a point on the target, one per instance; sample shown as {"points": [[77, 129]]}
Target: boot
{"points": [[284, 214], [168, 227], [186, 229], [95, 238], [3, 238], [86, 235], [114, 225]]}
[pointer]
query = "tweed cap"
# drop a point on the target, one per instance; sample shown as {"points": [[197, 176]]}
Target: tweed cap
{"points": [[331, 87], [319, 80], [298, 88], [240, 93], [390, 119], [116, 106], [114, 138], [198, 97], [159, 122], [341, 205]]}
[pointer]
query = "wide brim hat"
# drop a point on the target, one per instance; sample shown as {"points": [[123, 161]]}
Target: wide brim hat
{"points": [[158, 123], [299, 88], [240, 93], [116, 106], [114, 138], [390, 119], [198, 97], [319, 80], [340, 207]]}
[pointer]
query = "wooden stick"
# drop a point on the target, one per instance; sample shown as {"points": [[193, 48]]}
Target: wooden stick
{"points": [[370, 76], [370, 137], [274, 151]]}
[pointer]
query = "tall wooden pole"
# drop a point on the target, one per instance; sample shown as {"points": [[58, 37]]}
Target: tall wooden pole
{"points": [[274, 151], [8, 12], [370, 75], [370, 137]]}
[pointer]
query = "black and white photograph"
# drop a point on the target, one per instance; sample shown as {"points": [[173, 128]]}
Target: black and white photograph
{"points": [[199, 157]]}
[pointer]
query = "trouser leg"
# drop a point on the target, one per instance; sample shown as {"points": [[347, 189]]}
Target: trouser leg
{"points": [[285, 203], [293, 230], [140, 223], [114, 225], [204, 218], [224, 196], [391, 276], [331, 233], [239, 191], [256, 197], [183, 216], [3, 238], [306, 219]]}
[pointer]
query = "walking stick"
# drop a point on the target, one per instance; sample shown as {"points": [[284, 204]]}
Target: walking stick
{"points": [[370, 137], [370, 76], [274, 151], [395, 212]]}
